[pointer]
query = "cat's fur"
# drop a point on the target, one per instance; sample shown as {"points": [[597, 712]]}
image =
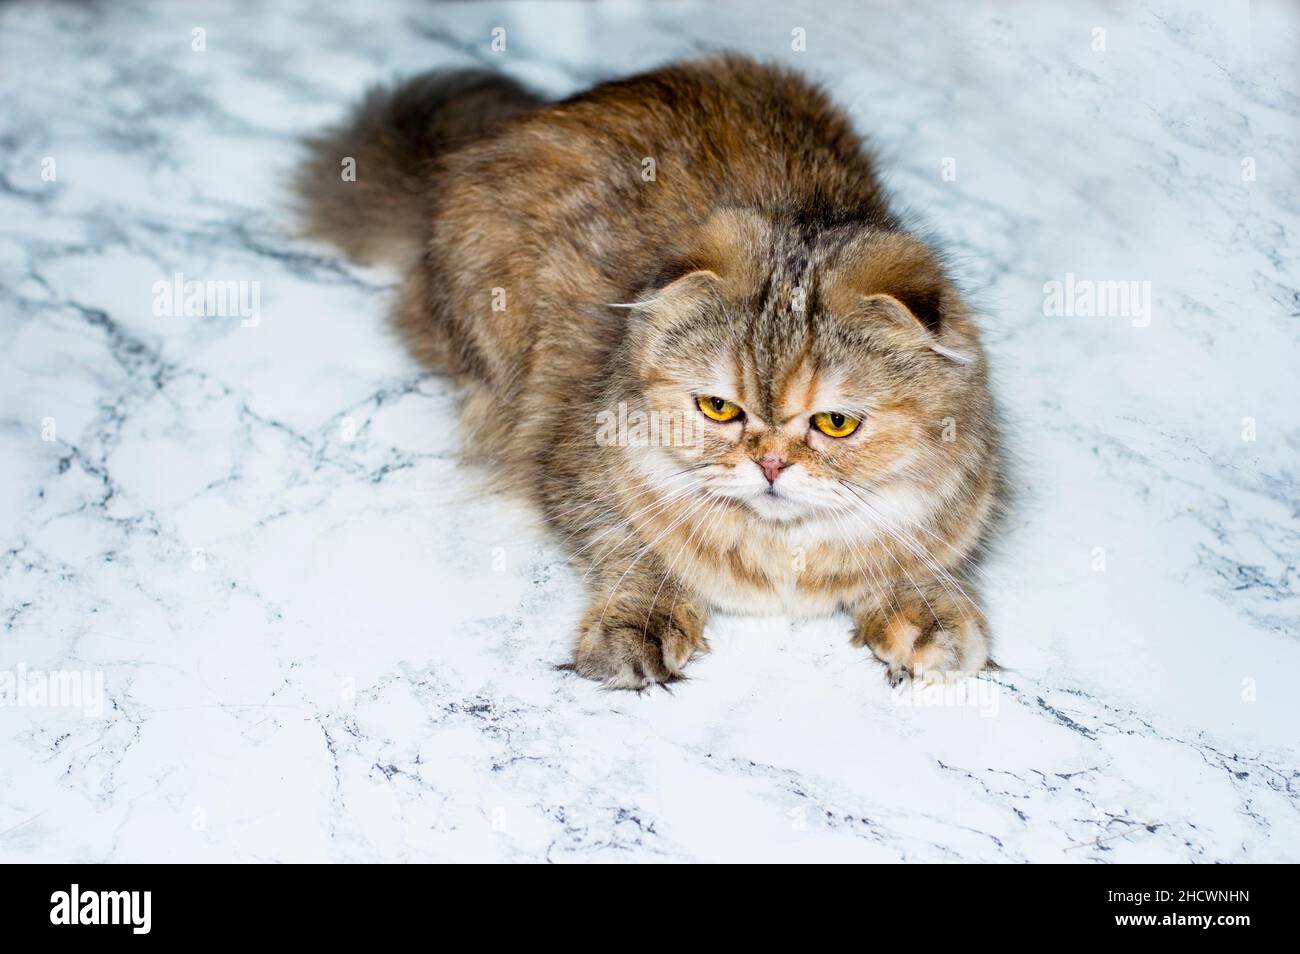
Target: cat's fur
{"points": [[557, 274]]}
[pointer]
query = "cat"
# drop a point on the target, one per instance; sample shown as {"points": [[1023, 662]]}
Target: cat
{"points": [[706, 250]]}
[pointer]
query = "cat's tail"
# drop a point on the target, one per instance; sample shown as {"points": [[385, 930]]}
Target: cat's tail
{"points": [[365, 185]]}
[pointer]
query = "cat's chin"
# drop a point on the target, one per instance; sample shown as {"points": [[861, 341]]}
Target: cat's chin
{"points": [[776, 508]]}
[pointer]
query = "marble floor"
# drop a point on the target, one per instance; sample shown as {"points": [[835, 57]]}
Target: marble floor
{"points": [[251, 609]]}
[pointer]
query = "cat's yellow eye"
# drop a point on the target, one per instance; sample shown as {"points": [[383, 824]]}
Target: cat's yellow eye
{"points": [[718, 409], [834, 424]]}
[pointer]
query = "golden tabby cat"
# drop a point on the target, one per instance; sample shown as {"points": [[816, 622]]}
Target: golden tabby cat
{"points": [[688, 327]]}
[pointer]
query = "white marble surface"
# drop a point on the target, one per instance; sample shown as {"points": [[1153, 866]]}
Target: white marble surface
{"points": [[315, 648]]}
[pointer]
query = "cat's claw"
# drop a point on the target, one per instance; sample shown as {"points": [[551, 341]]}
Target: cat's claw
{"points": [[637, 658], [926, 642]]}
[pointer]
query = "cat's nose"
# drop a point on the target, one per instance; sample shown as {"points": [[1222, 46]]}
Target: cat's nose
{"points": [[772, 467]]}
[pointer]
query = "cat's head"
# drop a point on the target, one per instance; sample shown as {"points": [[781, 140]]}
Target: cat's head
{"points": [[798, 372]]}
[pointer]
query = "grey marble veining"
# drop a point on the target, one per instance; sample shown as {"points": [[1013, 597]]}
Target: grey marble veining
{"points": [[305, 633]]}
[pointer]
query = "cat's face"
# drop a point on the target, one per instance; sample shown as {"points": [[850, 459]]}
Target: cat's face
{"points": [[797, 388]]}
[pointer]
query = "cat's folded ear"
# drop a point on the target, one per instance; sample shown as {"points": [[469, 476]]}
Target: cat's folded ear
{"points": [[895, 276], [720, 258]]}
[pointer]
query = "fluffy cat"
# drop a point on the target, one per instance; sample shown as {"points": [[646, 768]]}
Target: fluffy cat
{"points": [[688, 327]]}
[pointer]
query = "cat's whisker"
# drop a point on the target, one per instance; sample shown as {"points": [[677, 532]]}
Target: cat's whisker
{"points": [[611, 495], [946, 582], [711, 516], [887, 587], [691, 508], [628, 525], [917, 549], [967, 561], [884, 591], [661, 497], [721, 508], [890, 553], [912, 546]]}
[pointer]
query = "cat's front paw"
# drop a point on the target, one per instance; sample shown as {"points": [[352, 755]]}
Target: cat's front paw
{"points": [[629, 649], [921, 640]]}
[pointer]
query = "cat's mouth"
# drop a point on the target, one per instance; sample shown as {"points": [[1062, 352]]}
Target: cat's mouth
{"points": [[772, 504]]}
